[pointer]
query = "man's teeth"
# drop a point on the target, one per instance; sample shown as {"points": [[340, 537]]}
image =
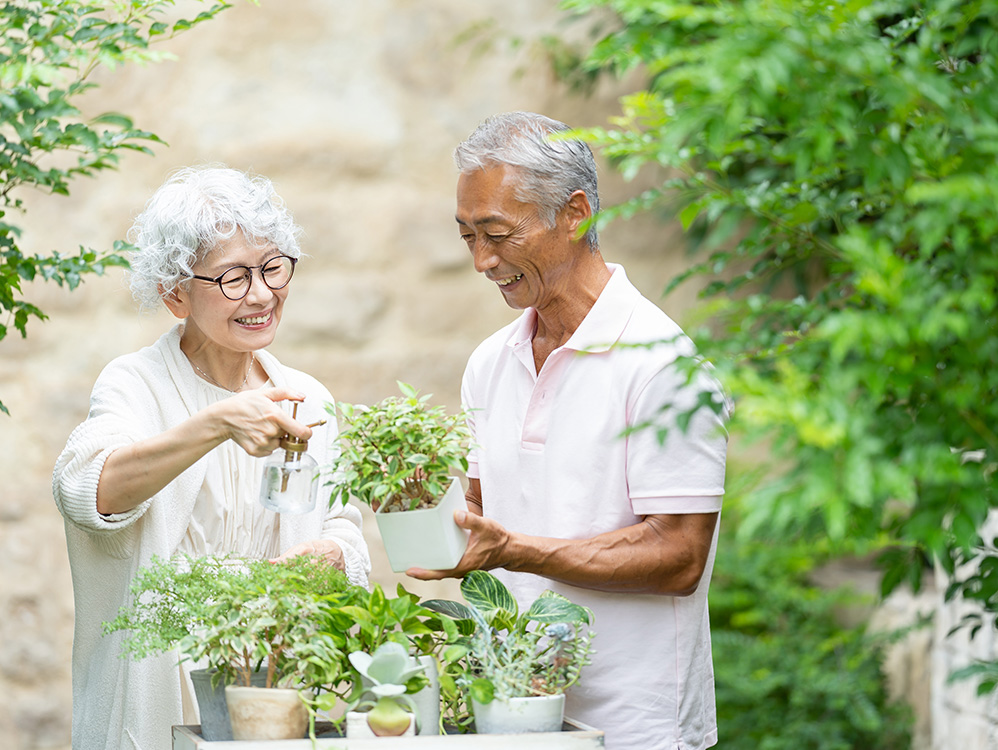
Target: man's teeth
{"points": [[510, 280], [258, 321]]}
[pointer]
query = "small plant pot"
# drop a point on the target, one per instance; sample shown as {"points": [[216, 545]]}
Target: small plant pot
{"points": [[427, 700], [427, 538], [359, 729], [266, 713], [214, 711], [541, 713]]}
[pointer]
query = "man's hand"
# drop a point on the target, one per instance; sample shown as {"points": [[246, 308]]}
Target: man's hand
{"points": [[487, 547]]}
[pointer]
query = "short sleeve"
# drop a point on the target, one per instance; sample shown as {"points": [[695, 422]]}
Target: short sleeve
{"points": [[468, 403], [671, 469]]}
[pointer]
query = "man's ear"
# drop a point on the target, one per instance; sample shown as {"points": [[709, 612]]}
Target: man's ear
{"points": [[175, 301], [577, 213]]}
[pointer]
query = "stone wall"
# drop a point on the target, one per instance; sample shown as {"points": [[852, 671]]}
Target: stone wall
{"points": [[353, 109]]}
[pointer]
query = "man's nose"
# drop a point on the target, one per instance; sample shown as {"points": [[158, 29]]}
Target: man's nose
{"points": [[483, 257]]}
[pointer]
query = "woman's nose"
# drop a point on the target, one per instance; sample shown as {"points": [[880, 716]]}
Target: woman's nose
{"points": [[258, 289]]}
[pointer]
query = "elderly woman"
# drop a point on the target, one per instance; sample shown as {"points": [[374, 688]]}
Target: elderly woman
{"points": [[170, 457]]}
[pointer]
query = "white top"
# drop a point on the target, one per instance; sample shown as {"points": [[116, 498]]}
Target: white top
{"points": [[223, 522], [552, 462], [121, 704]]}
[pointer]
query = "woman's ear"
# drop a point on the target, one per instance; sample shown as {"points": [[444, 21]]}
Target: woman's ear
{"points": [[175, 301]]}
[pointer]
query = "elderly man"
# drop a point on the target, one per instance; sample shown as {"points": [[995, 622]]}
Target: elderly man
{"points": [[562, 495]]}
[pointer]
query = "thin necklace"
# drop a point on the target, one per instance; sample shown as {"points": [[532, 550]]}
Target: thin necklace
{"points": [[230, 390]]}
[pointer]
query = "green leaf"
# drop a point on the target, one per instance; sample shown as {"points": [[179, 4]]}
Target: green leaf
{"points": [[487, 593]]}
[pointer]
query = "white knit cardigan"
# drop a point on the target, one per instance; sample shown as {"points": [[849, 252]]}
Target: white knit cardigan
{"points": [[120, 703]]}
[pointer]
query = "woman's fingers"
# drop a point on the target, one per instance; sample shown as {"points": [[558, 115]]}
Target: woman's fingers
{"points": [[256, 420]]}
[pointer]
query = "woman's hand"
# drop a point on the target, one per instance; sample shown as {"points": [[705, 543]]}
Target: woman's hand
{"points": [[256, 422], [325, 549]]}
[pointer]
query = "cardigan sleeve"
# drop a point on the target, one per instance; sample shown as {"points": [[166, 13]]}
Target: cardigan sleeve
{"points": [[111, 424]]}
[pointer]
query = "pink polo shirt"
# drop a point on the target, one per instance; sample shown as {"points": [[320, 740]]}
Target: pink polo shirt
{"points": [[552, 462]]}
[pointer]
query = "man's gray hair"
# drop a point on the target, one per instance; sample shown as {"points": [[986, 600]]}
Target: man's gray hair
{"points": [[186, 218], [549, 170]]}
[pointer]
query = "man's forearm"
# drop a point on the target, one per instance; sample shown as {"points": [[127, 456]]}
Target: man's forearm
{"points": [[664, 554]]}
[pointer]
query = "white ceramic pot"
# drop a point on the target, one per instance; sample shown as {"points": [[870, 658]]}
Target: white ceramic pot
{"points": [[427, 700], [542, 713], [426, 538], [266, 713], [358, 729]]}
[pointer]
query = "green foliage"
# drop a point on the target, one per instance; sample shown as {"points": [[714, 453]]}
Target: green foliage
{"points": [[787, 675], [170, 598], [371, 619], [238, 614], [834, 164], [399, 452], [508, 654], [367, 622], [48, 51]]}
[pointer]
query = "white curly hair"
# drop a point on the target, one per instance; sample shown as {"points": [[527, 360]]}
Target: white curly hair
{"points": [[186, 218]]}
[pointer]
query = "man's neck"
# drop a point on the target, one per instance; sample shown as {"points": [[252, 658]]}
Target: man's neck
{"points": [[557, 322]]}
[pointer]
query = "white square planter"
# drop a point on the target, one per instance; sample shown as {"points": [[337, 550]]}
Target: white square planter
{"points": [[425, 538]]}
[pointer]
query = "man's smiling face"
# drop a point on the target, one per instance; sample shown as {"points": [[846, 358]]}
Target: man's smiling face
{"points": [[530, 262]]}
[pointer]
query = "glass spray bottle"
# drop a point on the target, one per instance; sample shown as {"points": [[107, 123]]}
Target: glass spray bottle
{"points": [[290, 476]]}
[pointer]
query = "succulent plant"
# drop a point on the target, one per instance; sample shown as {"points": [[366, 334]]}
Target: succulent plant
{"points": [[385, 675]]}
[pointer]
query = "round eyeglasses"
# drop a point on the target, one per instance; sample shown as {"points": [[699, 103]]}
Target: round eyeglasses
{"points": [[235, 282]]}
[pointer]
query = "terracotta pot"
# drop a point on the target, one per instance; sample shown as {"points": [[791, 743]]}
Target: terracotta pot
{"points": [[212, 707], [266, 713], [542, 713]]}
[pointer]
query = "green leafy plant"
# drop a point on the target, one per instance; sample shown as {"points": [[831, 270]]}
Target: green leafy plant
{"points": [[787, 673], [399, 452], [367, 622], [48, 53], [239, 615], [370, 619], [387, 675], [833, 165], [170, 598], [510, 654]]}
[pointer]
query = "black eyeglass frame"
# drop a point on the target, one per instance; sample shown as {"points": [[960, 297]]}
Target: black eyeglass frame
{"points": [[218, 279]]}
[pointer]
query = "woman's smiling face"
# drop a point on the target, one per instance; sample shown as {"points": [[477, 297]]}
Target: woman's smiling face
{"points": [[244, 325]]}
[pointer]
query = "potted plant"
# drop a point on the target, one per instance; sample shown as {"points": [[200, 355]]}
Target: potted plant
{"points": [[383, 688], [368, 622], [517, 667], [254, 624], [397, 457]]}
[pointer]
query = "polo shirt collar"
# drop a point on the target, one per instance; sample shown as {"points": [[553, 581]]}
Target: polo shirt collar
{"points": [[603, 325]]}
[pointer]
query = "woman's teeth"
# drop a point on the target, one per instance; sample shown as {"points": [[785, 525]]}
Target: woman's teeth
{"points": [[257, 321], [510, 280]]}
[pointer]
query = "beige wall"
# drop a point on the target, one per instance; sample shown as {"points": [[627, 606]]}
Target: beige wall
{"points": [[352, 108]]}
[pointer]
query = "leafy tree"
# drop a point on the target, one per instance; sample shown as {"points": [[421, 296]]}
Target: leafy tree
{"points": [[49, 50], [834, 165], [788, 675]]}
